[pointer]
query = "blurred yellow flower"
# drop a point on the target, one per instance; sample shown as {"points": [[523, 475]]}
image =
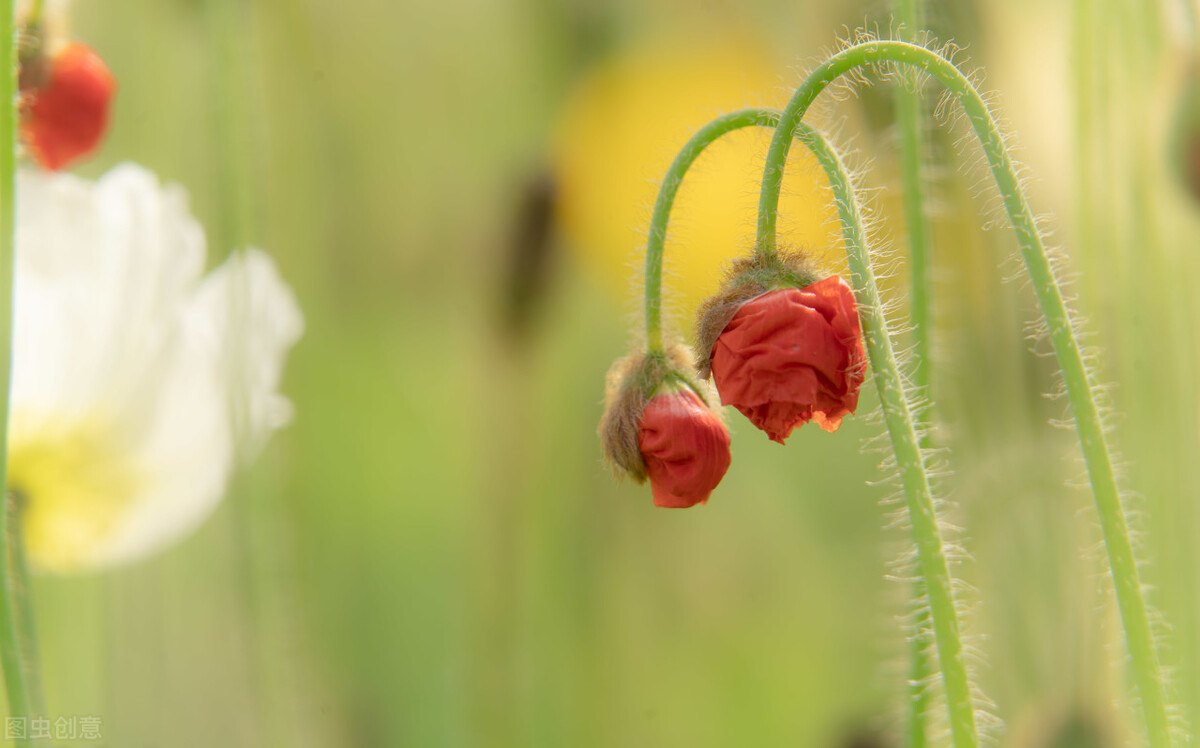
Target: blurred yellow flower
{"points": [[137, 380], [618, 134]]}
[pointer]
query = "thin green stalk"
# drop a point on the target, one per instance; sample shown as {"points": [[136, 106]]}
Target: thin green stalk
{"points": [[12, 659], [228, 23], [1121, 557], [1085, 69], [23, 603], [257, 516], [933, 568], [910, 111], [909, 114], [920, 670], [34, 18], [666, 199], [1192, 21]]}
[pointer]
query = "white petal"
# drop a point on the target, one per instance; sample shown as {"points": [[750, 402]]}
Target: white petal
{"points": [[238, 329], [142, 374], [256, 315], [187, 455], [103, 272]]}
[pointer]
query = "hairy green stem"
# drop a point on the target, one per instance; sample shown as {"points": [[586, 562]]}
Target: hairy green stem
{"points": [[1077, 379], [12, 653], [901, 424], [933, 568], [920, 670], [666, 199], [910, 111]]}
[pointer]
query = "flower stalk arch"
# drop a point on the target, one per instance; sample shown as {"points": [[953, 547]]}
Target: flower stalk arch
{"points": [[933, 570]]}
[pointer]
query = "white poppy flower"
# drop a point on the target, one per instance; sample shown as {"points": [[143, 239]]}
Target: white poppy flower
{"points": [[137, 380]]}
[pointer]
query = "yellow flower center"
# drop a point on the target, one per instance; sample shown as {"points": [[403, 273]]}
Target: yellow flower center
{"points": [[74, 485]]}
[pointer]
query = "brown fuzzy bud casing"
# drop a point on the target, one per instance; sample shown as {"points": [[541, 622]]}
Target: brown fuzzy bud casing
{"points": [[630, 384]]}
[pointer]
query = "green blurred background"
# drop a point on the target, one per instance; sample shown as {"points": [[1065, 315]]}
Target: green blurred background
{"points": [[433, 554]]}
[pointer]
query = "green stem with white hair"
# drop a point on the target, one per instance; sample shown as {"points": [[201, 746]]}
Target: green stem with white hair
{"points": [[656, 242], [910, 113], [14, 656], [1123, 561], [934, 570]]}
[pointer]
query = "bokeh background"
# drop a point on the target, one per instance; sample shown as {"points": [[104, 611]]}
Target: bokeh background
{"points": [[433, 553]]}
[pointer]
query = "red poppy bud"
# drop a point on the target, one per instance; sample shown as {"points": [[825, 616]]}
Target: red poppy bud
{"points": [[657, 426], [65, 115], [792, 355], [685, 447]]}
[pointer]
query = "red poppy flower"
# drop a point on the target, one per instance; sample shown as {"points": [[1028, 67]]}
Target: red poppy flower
{"points": [[686, 449], [792, 355], [65, 116]]}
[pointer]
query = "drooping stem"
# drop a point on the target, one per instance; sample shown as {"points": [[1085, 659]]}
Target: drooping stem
{"points": [[1080, 392], [933, 568], [666, 199], [12, 660], [910, 111], [900, 419]]}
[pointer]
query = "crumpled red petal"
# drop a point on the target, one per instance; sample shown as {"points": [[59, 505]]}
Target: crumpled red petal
{"points": [[65, 119], [685, 447], [791, 356]]}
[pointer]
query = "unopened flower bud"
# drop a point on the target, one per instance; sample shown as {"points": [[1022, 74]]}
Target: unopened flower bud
{"points": [[65, 104], [657, 425], [784, 345]]}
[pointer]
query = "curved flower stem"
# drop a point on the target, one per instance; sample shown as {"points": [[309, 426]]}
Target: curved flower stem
{"points": [[932, 566], [900, 417], [911, 131], [12, 659], [666, 199], [1121, 557]]}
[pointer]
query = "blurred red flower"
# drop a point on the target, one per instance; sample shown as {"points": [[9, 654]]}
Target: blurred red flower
{"points": [[685, 446], [792, 355], [66, 114]]}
